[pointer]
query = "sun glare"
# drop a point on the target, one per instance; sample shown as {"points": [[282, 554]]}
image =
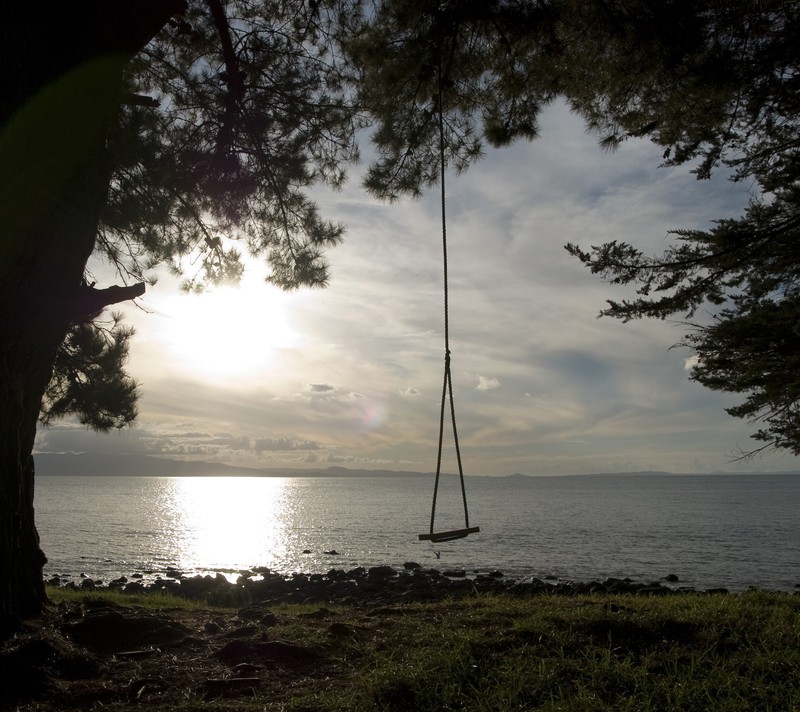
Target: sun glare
{"points": [[229, 524], [230, 332]]}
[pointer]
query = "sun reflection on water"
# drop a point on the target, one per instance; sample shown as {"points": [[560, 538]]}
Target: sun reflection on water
{"points": [[226, 523]]}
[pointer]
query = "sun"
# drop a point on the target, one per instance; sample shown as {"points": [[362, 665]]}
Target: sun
{"points": [[232, 332]]}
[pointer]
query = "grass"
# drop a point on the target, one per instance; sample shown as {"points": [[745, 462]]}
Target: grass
{"points": [[675, 653], [721, 653], [155, 600]]}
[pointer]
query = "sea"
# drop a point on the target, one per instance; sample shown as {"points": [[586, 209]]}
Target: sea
{"points": [[731, 531]]}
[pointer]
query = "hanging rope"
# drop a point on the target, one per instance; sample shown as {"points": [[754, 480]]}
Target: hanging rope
{"points": [[447, 386]]}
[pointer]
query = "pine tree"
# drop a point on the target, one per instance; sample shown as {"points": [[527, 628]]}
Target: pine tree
{"points": [[715, 84], [155, 132]]}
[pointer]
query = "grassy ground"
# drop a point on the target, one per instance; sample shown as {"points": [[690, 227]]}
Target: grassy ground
{"points": [[729, 653]]}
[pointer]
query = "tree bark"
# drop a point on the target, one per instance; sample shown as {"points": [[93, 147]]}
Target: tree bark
{"points": [[62, 70]]}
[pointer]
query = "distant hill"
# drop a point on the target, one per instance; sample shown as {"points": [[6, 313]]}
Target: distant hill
{"points": [[113, 464], [117, 464], [120, 464]]}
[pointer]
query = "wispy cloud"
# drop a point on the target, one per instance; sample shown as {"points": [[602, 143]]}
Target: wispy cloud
{"points": [[486, 383]]}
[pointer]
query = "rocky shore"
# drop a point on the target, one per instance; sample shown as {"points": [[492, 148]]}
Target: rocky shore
{"points": [[378, 584]]}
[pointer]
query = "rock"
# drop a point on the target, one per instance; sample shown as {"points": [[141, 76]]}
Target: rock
{"points": [[268, 620], [212, 627], [196, 586], [112, 631], [617, 585], [589, 587], [251, 613], [454, 573], [306, 551], [245, 669], [381, 572], [653, 591], [378, 585]]}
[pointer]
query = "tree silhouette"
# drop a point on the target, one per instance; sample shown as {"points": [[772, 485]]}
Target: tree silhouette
{"points": [[717, 86], [155, 132], [714, 84], [173, 133]]}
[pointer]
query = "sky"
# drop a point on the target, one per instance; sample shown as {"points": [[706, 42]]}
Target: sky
{"points": [[351, 375]]}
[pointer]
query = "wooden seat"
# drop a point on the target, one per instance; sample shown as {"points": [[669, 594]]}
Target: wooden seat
{"points": [[449, 535]]}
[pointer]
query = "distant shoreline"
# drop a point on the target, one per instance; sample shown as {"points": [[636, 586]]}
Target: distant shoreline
{"points": [[124, 465], [128, 465]]}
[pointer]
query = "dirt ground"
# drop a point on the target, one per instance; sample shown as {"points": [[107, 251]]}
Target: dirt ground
{"points": [[84, 656]]}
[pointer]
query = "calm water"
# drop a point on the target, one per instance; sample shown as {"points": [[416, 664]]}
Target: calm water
{"points": [[733, 531]]}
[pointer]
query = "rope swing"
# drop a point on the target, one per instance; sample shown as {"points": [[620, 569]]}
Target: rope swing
{"points": [[447, 387]]}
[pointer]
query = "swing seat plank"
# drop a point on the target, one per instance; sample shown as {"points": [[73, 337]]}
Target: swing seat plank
{"points": [[449, 535]]}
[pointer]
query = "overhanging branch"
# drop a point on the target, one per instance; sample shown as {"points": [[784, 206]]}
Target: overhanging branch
{"points": [[89, 300]]}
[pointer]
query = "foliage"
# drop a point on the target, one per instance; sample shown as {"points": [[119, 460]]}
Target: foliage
{"points": [[725, 95], [715, 84], [89, 379], [233, 112], [475, 60], [749, 270], [229, 116]]}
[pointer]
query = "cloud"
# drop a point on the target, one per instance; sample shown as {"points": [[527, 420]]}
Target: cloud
{"points": [[321, 388], [487, 384], [284, 444], [690, 362]]}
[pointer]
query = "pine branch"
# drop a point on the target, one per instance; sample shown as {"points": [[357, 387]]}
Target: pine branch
{"points": [[89, 301]]}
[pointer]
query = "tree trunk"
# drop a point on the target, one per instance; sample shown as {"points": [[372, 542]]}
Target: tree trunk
{"points": [[61, 69], [21, 559], [51, 242]]}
